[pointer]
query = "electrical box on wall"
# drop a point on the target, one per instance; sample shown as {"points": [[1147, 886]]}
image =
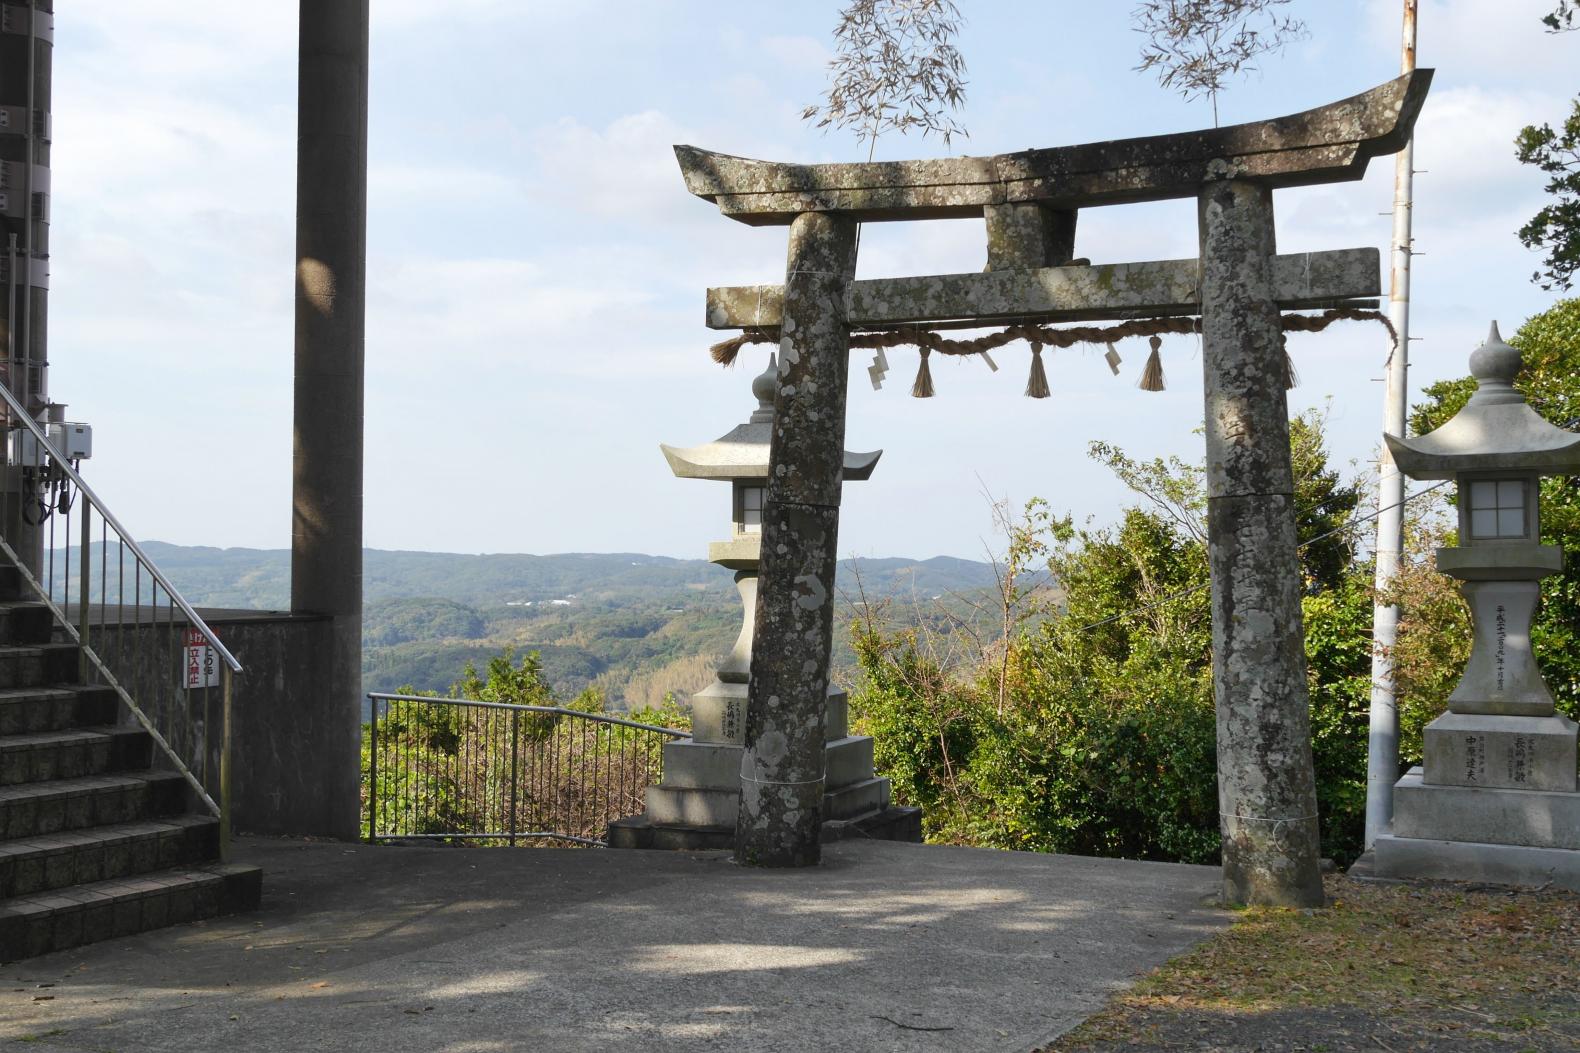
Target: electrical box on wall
{"points": [[74, 441]]}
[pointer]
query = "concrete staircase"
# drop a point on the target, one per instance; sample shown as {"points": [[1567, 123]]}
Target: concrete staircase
{"points": [[95, 840]]}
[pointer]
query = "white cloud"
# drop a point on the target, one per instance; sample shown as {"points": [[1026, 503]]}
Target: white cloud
{"points": [[626, 170], [1490, 40], [796, 52]]}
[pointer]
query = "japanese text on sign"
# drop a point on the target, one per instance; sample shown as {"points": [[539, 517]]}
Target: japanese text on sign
{"points": [[202, 665]]}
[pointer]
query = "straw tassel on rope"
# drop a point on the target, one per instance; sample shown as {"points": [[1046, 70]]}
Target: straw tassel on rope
{"points": [[1152, 374], [1291, 378], [1037, 382], [923, 388]]}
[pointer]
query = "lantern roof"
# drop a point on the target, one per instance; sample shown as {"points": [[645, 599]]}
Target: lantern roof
{"points": [[1497, 430], [742, 452]]}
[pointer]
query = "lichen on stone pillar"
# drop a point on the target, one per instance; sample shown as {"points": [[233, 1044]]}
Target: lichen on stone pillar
{"points": [[1266, 786]]}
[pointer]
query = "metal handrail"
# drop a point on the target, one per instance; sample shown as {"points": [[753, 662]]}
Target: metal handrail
{"points": [[138, 653], [21, 416], [220, 808], [562, 711]]}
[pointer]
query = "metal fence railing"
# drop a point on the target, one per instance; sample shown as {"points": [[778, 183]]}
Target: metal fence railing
{"points": [[135, 632], [488, 772]]}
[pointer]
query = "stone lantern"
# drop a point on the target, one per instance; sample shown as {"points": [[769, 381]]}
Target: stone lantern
{"points": [[1495, 798], [695, 804]]}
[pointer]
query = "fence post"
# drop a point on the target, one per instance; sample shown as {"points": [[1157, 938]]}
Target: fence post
{"points": [[515, 726], [373, 766], [225, 678], [82, 599]]}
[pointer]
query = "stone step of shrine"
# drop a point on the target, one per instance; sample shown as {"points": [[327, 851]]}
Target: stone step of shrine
{"points": [[40, 756], [669, 805], [65, 918], [716, 765], [1536, 818], [856, 799], [712, 807], [893, 823], [1462, 833]]}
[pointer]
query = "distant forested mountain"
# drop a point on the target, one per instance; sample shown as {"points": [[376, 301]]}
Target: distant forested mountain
{"points": [[634, 626]]}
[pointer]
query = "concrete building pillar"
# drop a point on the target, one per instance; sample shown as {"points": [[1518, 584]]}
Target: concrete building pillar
{"points": [[319, 733], [1266, 786], [26, 63], [782, 769]]}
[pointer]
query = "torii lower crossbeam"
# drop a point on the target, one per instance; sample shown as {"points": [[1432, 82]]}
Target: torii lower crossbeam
{"points": [[1056, 294]]}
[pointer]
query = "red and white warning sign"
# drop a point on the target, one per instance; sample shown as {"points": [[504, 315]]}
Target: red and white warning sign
{"points": [[202, 664]]}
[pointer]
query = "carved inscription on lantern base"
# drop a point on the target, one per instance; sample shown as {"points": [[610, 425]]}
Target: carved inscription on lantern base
{"points": [[1495, 752]]}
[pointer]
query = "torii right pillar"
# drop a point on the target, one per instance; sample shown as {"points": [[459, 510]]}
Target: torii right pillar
{"points": [[1267, 792]]}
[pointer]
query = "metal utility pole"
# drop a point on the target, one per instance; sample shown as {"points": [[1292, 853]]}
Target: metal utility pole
{"points": [[326, 462], [27, 31], [1382, 753]]}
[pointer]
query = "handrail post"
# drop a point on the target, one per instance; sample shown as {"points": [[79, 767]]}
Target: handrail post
{"points": [[515, 725], [82, 597], [225, 679], [373, 766]]}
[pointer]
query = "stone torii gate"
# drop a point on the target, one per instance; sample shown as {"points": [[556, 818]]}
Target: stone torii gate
{"points": [[1030, 201]]}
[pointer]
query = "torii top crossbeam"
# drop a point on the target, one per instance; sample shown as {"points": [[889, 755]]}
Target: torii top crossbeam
{"points": [[1328, 144], [1030, 201]]}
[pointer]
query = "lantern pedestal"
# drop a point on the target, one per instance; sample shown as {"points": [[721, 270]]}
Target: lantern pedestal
{"points": [[1496, 797], [695, 805]]}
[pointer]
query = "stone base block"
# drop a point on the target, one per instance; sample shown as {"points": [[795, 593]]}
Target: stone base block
{"points": [[846, 761], [1407, 857], [837, 725], [710, 806], [1535, 818], [689, 764], [692, 807], [1522, 753], [718, 714], [636, 831]]}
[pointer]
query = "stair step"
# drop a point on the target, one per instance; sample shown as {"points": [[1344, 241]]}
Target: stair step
{"points": [[34, 665], [29, 709], [99, 853], [856, 799], [26, 622], [62, 919], [33, 809], [44, 755]]}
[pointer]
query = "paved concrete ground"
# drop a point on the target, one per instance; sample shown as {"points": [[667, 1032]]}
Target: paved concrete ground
{"points": [[885, 947]]}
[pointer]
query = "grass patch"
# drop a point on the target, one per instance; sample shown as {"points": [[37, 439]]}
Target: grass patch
{"points": [[1478, 966]]}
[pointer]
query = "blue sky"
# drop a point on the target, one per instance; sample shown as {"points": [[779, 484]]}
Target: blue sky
{"points": [[537, 268]]}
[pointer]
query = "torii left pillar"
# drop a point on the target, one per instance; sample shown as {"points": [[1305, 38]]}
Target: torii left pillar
{"points": [[782, 773], [319, 780]]}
